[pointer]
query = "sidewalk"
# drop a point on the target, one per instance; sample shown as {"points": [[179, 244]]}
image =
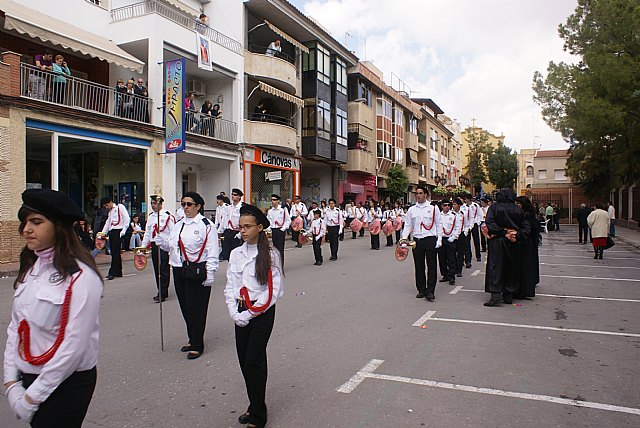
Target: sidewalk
{"points": [[631, 237]]}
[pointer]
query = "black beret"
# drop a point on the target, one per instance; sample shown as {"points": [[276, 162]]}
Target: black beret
{"points": [[276, 196], [105, 200], [52, 204], [317, 212], [257, 213], [196, 198], [220, 197], [457, 201], [157, 198], [237, 191]]}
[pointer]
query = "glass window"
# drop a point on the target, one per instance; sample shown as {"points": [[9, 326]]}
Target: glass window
{"points": [[309, 60], [542, 174], [340, 75], [559, 174], [38, 159], [413, 126], [324, 64], [341, 127], [530, 171]]}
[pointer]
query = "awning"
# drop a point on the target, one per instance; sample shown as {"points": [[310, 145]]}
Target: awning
{"points": [[40, 26], [412, 155], [353, 188], [287, 37], [282, 94], [184, 7]]}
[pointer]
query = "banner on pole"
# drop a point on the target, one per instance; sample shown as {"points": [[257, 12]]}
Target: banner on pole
{"points": [[174, 112], [202, 47]]}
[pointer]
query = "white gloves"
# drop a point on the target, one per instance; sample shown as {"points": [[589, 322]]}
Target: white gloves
{"points": [[209, 281], [242, 318], [466, 233], [21, 408], [451, 239], [439, 243], [122, 232]]}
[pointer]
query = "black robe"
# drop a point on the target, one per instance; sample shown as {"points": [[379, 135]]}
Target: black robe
{"points": [[529, 260]]}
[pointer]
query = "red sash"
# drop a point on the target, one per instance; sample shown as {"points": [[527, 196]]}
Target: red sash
{"points": [[455, 217], [157, 230], [433, 219], [184, 250], [244, 293], [118, 209]]}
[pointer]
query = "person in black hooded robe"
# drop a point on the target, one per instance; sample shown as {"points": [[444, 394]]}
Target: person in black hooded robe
{"points": [[529, 259], [507, 229]]}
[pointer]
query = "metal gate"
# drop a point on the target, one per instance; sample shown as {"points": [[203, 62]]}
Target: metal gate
{"points": [[265, 181]]}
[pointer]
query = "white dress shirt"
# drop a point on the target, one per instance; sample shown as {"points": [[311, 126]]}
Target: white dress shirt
{"points": [[279, 218], [334, 217], [118, 219], [242, 273], [193, 235], [466, 224], [474, 215], [159, 234], [179, 214], [39, 300], [231, 218], [318, 228], [423, 220], [612, 212], [220, 214], [451, 225], [299, 209], [372, 214]]}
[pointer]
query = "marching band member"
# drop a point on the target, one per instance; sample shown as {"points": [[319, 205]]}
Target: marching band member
{"points": [[451, 228], [279, 220], [297, 209], [193, 254], [53, 337], [374, 213], [229, 226], [254, 285], [159, 226], [309, 217], [343, 210], [352, 213], [335, 223], [388, 214], [424, 222], [484, 206], [318, 229], [362, 215], [461, 242], [221, 210], [474, 218], [466, 234], [399, 212], [116, 226]]}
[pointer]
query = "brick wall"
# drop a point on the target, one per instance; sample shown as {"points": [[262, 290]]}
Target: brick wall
{"points": [[10, 241]]}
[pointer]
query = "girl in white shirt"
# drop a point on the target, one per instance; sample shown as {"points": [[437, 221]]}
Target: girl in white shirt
{"points": [[254, 284]]}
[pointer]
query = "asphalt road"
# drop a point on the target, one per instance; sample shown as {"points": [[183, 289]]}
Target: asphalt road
{"points": [[573, 364]]}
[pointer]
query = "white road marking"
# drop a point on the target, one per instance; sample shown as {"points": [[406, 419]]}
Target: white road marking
{"points": [[589, 257], [429, 316], [589, 277], [475, 272], [423, 319], [368, 372], [129, 274], [362, 374], [456, 289], [590, 266], [564, 296]]}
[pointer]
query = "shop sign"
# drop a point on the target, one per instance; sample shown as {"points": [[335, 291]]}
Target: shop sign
{"points": [[174, 112], [370, 180], [273, 176], [276, 160]]}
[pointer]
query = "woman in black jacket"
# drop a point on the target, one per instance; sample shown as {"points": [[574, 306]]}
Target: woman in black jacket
{"points": [[529, 260]]}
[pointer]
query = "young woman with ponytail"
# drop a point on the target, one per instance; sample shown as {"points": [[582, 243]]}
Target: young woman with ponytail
{"points": [[254, 284]]}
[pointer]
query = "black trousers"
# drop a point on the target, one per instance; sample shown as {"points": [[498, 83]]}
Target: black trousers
{"points": [[550, 223], [332, 236], [162, 284], [583, 232], [193, 298], [361, 232], [278, 237], [398, 232], [475, 234], [447, 259], [426, 277], [461, 244], [68, 403], [116, 257], [295, 235], [251, 346], [229, 243], [390, 240], [483, 242], [317, 249], [375, 241], [467, 247]]}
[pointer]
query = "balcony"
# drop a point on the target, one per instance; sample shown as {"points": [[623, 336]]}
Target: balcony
{"points": [[179, 17], [411, 141], [422, 172], [271, 134], [422, 140], [412, 174], [82, 95], [362, 114], [208, 126], [361, 161], [276, 71]]}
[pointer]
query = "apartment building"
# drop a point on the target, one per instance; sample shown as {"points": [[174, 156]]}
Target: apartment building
{"points": [[492, 139], [525, 171], [82, 136]]}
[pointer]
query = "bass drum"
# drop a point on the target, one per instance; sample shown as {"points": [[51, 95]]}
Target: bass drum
{"points": [[374, 227]]}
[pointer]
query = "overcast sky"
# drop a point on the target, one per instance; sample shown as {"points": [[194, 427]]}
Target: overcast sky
{"points": [[474, 58]]}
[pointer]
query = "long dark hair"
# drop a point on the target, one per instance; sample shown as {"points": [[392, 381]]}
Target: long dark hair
{"points": [[68, 249], [263, 259]]}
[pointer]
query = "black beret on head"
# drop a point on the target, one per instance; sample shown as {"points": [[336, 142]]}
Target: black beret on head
{"points": [[237, 191], [105, 200], [276, 196], [220, 198], [257, 213], [157, 198], [52, 204], [196, 198]]}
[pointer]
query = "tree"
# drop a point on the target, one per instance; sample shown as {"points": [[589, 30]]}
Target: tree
{"points": [[502, 166], [595, 103], [397, 182], [479, 150]]}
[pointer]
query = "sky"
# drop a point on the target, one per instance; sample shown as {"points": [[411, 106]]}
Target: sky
{"points": [[474, 58]]}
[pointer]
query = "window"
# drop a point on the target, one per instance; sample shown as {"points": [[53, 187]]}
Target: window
{"points": [[360, 91], [319, 60], [341, 127], [559, 174], [340, 75], [529, 171], [542, 174], [397, 116], [413, 126], [384, 108]]}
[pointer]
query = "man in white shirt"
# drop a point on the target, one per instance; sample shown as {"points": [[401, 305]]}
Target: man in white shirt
{"points": [[451, 228], [335, 224], [462, 242], [474, 219], [280, 221], [297, 209], [612, 216], [159, 226], [116, 226], [274, 48], [423, 221], [230, 226]]}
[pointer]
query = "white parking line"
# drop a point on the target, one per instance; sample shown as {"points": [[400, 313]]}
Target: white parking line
{"points": [[590, 266], [429, 316], [589, 257], [368, 372], [563, 296], [456, 289], [475, 272], [129, 274], [588, 277]]}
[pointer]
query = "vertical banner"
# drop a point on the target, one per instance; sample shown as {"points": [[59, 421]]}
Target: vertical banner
{"points": [[174, 112], [202, 47]]}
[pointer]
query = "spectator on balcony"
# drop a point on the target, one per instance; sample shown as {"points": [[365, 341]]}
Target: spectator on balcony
{"points": [[127, 100], [120, 91], [260, 112], [37, 79], [216, 112], [206, 113], [274, 48], [202, 23], [141, 102], [190, 110], [61, 72]]}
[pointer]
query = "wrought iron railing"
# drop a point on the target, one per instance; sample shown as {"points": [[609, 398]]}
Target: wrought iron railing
{"points": [[179, 17], [263, 117], [82, 94], [260, 49], [209, 126]]}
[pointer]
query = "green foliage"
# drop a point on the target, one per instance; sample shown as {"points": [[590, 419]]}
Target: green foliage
{"points": [[502, 166], [479, 151], [595, 104], [397, 182], [442, 191]]}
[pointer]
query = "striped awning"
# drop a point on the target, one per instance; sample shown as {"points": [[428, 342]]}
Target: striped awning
{"points": [[287, 37], [281, 94]]}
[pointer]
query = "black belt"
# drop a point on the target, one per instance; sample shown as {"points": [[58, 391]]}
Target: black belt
{"points": [[241, 305]]}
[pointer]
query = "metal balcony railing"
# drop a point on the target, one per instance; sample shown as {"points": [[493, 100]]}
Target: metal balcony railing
{"points": [[209, 126], [82, 94], [260, 49], [179, 17], [263, 117]]}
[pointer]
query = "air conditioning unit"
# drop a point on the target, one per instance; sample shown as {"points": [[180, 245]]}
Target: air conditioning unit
{"points": [[197, 86]]}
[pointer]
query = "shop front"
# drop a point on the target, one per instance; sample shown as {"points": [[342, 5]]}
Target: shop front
{"points": [[359, 187], [268, 172]]}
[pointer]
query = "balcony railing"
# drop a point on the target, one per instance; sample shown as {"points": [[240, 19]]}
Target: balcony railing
{"points": [[209, 126], [82, 94], [260, 49], [181, 18], [263, 117]]}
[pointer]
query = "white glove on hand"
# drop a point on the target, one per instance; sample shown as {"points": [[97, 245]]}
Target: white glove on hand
{"points": [[439, 243], [13, 394], [209, 281], [23, 410], [466, 233], [159, 240], [122, 232], [451, 239], [239, 319]]}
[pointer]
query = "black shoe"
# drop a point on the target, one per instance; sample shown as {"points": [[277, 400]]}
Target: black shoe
{"points": [[479, 259], [244, 418], [421, 295], [157, 300], [452, 282], [468, 265], [298, 246], [192, 355], [316, 264], [459, 275], [353, 237], [492, 303], [333, 258], [444, 279], [507, 298], [594, 257], [109, 277], [185, 348], [431, 297]]}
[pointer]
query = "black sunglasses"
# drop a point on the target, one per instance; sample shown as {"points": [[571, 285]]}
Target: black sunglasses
{"points": [[234, 194], [187, 204]]}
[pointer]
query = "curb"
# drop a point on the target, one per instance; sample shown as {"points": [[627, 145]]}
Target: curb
{"points": [[632, 243]]}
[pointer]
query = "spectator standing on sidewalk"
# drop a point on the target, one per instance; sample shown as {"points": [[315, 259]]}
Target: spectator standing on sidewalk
{"points": [[583, 228], [598, 221], [612, 217]]}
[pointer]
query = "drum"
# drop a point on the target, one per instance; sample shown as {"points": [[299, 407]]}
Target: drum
{"points": [[297, 224], [402, 250], [303, 238], [101, 240], [374, 227], [397, 223], [140, 258], [355, 225], [387, 229]]}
